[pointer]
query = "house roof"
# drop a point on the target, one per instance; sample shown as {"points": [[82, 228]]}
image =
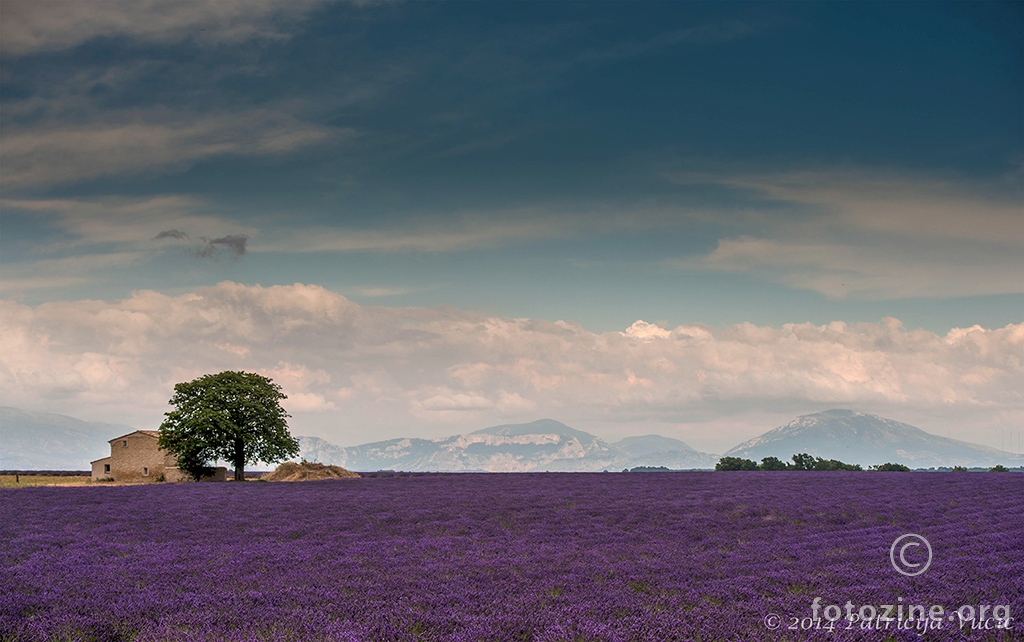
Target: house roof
{"points": [[98, 460], [148, 433]]}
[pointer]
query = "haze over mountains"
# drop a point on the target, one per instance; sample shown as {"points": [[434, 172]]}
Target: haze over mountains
{"points": [[47, 441], [34, 441]]}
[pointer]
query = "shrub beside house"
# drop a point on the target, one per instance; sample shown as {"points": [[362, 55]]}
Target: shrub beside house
{"points": [[135, 457]]}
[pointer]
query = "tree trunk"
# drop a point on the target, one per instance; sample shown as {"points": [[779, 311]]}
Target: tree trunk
{"points": [[239, 460]]}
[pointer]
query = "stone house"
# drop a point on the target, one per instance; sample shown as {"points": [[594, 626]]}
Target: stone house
{"points": [[135, 457]]}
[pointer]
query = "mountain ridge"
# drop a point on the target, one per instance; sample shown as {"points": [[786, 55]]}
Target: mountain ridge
{"points": [[49, 441], [538, 427], [861, 438], [542, 445]]}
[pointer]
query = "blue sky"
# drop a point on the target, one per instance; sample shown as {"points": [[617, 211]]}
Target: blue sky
{"points": [[593, 163]]}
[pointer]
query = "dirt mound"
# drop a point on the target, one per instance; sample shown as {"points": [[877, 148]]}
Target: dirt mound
{"points": [[308, 471]]}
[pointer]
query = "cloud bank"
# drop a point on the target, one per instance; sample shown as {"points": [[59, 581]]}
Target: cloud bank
{"points": [[351, 369]]}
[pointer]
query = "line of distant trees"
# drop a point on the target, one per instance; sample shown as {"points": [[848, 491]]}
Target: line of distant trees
{"points": [[801, 461], [804, 461]]}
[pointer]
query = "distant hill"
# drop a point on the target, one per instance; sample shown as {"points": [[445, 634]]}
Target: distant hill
{"points": [[655, 451], [321, 450], [48, 441], [859, 438], [650, 444], [543, 445]]}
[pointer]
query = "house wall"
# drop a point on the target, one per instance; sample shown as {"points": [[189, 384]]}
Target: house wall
{"points": [[98, 472], [128, 462], [136, 458]]}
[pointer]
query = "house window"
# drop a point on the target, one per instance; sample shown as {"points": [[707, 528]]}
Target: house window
{"points": [[145, 471], [124, 443], [106, 468]]}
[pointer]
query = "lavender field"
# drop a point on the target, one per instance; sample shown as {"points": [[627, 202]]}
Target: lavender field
{"points": [[574, 557]]}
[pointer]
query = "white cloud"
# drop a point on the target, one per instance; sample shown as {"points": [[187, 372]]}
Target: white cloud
{"points": [[373, 372], [451, 400], [309, 402], [646, 331], [30, 26]]}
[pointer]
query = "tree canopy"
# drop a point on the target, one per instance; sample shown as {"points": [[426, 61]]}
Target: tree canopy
{"points": [[888, 467], [735, 463], [233, 416], [773, 463], [801, 461]]}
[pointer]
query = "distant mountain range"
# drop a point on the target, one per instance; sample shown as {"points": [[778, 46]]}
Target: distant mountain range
{"points": [[544, 445], [47, 441], [34, 441], [859, 438]]}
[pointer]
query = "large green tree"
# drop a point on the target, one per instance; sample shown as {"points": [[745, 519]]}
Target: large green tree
{"points": [[233, 416]]}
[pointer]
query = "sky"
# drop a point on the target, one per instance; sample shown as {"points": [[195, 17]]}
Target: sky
{"points": [[424, 218]]}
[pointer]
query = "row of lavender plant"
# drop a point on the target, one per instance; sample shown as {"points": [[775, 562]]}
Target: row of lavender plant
{"points": [[668, 556]]}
